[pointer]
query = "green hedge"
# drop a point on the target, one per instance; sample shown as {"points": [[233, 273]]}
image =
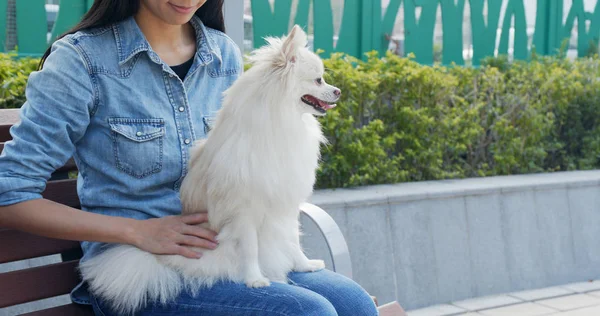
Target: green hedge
{"points": [[13, 78], [401, 121]]}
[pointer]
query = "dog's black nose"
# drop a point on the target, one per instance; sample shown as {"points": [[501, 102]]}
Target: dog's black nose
{"points": [[337, 92]]}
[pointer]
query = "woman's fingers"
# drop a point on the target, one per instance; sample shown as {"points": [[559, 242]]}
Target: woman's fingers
{"points": [[194, 219], [186, 252], [200, 232], [175, 235], [197, 242]]}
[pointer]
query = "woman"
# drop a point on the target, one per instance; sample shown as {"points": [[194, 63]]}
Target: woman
{"points": [[126, 92]]}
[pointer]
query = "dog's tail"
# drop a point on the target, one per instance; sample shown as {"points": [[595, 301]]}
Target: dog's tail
{"points": [[127, 278]]}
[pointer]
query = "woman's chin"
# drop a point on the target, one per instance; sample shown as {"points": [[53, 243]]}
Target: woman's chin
{"points": [[179, 20]]}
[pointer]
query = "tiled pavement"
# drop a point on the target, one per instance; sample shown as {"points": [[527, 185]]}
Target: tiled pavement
{"points": [[576, 299]]}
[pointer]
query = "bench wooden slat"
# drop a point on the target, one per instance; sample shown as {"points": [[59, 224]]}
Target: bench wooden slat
{"points": [[64, 310], [63, 192], [4, 133], [33, 284], [16, 245], [69, 166]]}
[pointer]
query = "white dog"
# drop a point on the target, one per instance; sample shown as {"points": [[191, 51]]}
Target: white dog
{"points": [[251, 174]]}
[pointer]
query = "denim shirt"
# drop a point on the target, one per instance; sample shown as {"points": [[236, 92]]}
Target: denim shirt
{"points": [[105, 98]]}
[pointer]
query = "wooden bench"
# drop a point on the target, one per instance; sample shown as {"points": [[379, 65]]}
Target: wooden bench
{"points": [[52, 280]]}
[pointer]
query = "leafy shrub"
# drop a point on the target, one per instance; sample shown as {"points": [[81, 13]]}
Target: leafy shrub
{"points": [[401, 121], [13, 78]]}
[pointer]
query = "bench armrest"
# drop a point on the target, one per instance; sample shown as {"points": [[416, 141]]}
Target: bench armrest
{"points": [[340, 256]]}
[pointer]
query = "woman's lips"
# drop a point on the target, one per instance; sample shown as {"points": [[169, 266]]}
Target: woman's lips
{"points": [[182, 10]]}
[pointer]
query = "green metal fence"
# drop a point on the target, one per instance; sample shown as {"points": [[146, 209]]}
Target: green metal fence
{"points": [[366, 25], [32, 24]]}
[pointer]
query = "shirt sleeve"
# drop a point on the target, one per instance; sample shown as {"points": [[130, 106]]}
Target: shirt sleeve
{"points": [[53, 119]]}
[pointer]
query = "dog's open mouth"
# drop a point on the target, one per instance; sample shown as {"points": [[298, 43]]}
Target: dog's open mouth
{"points": [[318, 104]]}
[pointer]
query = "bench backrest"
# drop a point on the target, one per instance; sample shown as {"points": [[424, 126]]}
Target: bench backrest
{"points": [[27, 285]]}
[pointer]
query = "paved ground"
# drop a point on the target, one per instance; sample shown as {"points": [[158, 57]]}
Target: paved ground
{"points": [[576, 299]]}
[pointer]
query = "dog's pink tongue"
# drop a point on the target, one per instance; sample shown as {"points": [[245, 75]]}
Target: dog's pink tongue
{"points": [[325, 105]]}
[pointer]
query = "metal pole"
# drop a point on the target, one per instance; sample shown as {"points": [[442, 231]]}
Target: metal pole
{"points": [[234, 21]]}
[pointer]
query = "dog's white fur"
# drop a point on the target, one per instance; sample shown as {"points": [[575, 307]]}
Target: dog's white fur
{"points": [[251, 174]]}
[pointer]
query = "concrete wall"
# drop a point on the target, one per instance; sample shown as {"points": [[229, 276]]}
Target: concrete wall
{"points": [[436, 242]]}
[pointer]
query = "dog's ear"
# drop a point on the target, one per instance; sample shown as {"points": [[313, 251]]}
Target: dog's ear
{"points": [[294, 41]]}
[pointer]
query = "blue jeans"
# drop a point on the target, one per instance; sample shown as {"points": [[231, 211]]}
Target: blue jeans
{"points": [[321, 293]]}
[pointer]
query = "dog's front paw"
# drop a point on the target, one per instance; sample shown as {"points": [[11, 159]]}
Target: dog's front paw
{"points": [[310, 266], [258, 282]]}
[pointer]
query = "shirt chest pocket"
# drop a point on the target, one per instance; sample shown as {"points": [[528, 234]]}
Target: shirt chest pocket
{"points": [[137, 145]]}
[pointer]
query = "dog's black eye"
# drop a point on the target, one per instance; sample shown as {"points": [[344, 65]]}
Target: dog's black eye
{"points": [[319, 81]]}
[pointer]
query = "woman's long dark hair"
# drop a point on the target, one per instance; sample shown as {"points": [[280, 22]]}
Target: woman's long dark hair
{"points": [[106, 12]]}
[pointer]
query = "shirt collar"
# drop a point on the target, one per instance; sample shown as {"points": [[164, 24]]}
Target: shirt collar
{"points": [[131, 41]]}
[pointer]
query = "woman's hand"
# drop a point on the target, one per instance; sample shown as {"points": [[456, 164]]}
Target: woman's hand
{"points": [[174, 235]]}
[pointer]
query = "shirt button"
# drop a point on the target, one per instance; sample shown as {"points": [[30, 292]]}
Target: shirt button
{"points": [[181, 109], [138, 134], [187, 141]]}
